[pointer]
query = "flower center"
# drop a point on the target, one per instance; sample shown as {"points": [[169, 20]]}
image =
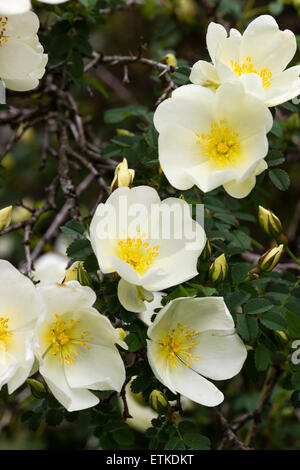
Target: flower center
{"points": [[247, 67], [221, 144], [64, 341], [137, 253], [178, 344], [4, 333], [3, 23]]}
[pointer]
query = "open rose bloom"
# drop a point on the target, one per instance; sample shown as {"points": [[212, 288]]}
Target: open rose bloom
{"points": [[149, 249], [22, 61], [21, 307], [76, 346], [258, 58], [192, 340], [213, 139]]}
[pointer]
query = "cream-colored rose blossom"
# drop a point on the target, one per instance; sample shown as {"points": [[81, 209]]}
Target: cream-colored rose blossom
{"points": [[258, 58], [76, 346], [22, 61], [13, 7], [138, 258], [213, 139], [192, 340], [21, 306]]}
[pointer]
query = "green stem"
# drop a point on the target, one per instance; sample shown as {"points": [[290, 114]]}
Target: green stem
{"points": [[294, 258]]}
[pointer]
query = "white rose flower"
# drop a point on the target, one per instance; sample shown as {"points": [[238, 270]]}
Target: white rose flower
{"points": [[194, 338], [50, 268], [212, 139], [76, 347], [22, 62], [258, 58], [133, 252], [21, 306], [13, 7]]}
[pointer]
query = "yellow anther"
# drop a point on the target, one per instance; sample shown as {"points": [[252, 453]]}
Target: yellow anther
{"points": [[221, 144], [178, 345], [248, 67], [4, 333], [64, 340], [137, 253]]}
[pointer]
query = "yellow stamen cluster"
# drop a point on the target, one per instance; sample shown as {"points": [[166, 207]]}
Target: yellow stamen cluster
{"points": [[138, 253], [63, 341], [221, 144], [4, 333], [178, 344], [248, 67], [3, 23]]}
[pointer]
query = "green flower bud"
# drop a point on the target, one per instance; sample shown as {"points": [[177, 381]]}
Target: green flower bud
{"points": [[207, 251], [5, 217], [37, 388], [122, 333], [269, 259], [78, 273], [170, 60], [158, 402], [219, 269], [269, 222]]}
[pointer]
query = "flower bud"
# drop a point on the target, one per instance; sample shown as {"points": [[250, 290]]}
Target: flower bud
{"points": [[125, 132], [269, 222], [207, 251], [158, 402], [170, 60], [77, 272], [37, 388], [123, 176], [269, 259], [219, 269], [122, 333], [5, 217]]}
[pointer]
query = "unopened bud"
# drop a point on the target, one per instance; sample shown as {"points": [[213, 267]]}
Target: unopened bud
{"points": [[5, 217], [158, 402], [37, 388], [125, 132], [77, 272], [207, 251], [219, 269], [269, 259], [123, 176], [269, 222], [122, 333], [170, 60]]}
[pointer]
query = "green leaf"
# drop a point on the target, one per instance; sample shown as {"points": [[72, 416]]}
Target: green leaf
{"points": [[277, 130], [293, 324], [112, 116], [255, 306], [73, 227], [79, 250], [182, 75], [274, 158], [239, 272], [273, 321], [96, 84], [133, 341], [280, 179], [237, 298], [296, 380], [261, 357], [247, 327], [54, 417], [196, 441], [175, 444], [124, 436]]}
